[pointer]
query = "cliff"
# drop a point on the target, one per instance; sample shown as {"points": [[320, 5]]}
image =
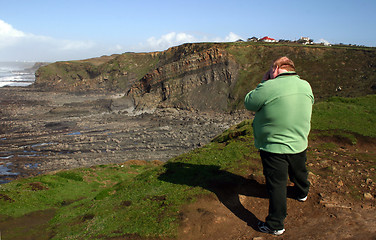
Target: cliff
{"points": [[212, 76], [189, 76], [107, 73]]}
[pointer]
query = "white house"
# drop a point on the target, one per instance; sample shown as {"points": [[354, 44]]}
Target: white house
{"points": [[305, 40]]}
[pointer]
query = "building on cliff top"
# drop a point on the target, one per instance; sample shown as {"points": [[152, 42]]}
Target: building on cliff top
{"points": [[267, 39], [253, 39], [305, 40]]}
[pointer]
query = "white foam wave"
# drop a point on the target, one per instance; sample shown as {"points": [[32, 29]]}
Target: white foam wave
{"points": [[16, 74], [15, 84]]}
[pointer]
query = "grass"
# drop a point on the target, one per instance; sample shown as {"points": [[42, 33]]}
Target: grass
{"points": [[325, 68], [110, 72], [144, 200], [357, 115]]}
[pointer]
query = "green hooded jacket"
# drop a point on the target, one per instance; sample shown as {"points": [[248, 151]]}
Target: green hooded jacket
{"points": [[283, 107]]}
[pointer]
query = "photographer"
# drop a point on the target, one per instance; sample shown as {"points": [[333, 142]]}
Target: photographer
{"points": [[283, 105]]}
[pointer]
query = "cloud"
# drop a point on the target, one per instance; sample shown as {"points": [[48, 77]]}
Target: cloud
{"points": [[325, 42], [6, 30], [9, 35], [169, 40], [18, 45], [232, 37], [68, 45], [174, 39]]}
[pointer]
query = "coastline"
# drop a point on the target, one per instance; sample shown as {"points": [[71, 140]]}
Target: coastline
{"points": [[43, 131], [18, 74]]}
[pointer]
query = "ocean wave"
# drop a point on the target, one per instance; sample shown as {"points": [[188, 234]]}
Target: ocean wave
{"points": [[18, 78], [15, 84], [16, 74]]}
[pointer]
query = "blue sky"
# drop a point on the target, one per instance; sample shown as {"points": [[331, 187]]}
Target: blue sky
{"points": [[46, 30]]}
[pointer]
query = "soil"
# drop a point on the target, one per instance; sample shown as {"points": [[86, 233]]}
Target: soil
{"points": [[48, 131], [341, 203]]}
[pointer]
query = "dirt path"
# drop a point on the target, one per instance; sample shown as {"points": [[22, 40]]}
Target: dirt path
{"points": [[235, 216], [341, 203]]}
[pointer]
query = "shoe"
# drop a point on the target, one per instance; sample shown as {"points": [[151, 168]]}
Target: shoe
{"points": [[303, 199], [265, 229]]}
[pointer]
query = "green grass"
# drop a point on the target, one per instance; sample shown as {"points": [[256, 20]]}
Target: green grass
{"points": [[325, 68], [111, 73], [357, 115], [145, 200]]}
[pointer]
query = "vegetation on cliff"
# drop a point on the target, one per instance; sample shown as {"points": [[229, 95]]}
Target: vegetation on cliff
{"points": [[107, 73], [331, 71], [213, 76]]}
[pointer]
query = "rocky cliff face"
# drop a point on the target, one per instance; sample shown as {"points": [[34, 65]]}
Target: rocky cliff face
{"points": [[211, 76], [189, 78]]}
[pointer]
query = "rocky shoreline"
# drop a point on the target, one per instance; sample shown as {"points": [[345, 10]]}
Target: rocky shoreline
{"points": [[44, 131]]}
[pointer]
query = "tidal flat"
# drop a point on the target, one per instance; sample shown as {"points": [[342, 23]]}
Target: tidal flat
{"points": [[45, 131]]}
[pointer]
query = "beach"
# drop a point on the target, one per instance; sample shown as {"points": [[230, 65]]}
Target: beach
{"points": [[46, 131]]}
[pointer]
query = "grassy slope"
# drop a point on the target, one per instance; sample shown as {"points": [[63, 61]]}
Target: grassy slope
{"points": [[109, 72], [347, 114], [325, 68], [144, 199]]}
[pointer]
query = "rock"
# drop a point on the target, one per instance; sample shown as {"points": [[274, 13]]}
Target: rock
{"points": [[202, 80], [368, 196], [340, 184], [369, 181], [102, 138], [312, 178]]}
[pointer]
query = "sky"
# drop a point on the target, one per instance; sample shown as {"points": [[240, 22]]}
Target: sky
{"points": [[59, 30]]}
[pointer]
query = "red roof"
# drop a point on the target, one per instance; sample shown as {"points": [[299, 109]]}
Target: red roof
{"points": [[267, 38]]}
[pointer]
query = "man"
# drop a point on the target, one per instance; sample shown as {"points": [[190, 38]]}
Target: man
{"points": [[283, 105]]}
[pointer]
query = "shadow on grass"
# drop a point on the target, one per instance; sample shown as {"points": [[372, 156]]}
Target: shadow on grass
{"points": [[225, 185]]}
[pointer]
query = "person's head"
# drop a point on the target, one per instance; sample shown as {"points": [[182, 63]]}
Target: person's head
{"points": [[281, 65]]}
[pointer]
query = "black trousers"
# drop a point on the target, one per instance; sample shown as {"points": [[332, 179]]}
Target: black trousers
{"points": [[277, 169]]}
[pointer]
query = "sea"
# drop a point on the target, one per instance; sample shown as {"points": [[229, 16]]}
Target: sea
{"points": [[17, 74]]}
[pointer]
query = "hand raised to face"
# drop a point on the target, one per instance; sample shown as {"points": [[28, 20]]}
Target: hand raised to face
{"points": [[268, 75]]}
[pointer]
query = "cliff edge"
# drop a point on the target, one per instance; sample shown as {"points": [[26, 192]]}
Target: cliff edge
{"points": [[211, 76]]}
